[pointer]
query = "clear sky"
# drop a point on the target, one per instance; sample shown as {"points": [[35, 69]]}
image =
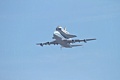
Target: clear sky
{"points": [[23, 23]]}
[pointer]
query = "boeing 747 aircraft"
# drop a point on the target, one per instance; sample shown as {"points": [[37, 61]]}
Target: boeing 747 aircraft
{"points": [[61, 40]]}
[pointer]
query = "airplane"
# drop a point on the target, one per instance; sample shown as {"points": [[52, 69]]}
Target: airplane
{"points": [[67, 43], [64, 32]]}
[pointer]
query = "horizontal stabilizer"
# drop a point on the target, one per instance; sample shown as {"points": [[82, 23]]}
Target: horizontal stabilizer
{"points": [[75, 45]]}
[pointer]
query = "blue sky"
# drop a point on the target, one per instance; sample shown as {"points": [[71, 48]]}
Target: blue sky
{"points": [[23, 23]]}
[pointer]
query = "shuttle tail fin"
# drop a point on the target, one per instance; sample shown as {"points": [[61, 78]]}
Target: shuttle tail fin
{"points": [[65, 29]]}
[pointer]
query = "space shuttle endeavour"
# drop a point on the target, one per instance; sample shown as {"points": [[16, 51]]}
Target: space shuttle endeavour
{"points": [[64, 32]]}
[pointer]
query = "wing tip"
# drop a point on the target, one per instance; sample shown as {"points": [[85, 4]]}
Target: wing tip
{"points": [[39, 44]]}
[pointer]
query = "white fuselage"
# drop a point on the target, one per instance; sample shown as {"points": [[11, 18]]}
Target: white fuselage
{"points": [[60, 40]]}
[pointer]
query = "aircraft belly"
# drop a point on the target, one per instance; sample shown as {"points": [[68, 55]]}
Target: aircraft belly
{"points": [[62, 43]]}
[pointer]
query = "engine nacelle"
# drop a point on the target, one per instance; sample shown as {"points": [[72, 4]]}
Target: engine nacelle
{"points": [[73, 41]]}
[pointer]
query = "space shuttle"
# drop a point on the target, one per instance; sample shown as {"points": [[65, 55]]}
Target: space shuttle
{"points": [[64, 32]]}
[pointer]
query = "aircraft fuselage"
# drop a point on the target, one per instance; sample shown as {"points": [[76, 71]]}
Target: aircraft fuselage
{"points": [[60, 40]]}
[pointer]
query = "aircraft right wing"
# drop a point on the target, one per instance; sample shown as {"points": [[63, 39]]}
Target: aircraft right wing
{"points": [[78, 40], [47, 43]]}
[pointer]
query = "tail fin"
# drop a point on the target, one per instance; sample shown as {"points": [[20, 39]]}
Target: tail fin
{"points": [[65, 29]]}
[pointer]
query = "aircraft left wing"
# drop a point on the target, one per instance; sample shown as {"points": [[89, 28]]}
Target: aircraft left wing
{"points": [[47, 43], [78, 40]]}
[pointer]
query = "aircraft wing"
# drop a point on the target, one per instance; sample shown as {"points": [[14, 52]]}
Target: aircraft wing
{"points": [[78, 40], [47, 43]]}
